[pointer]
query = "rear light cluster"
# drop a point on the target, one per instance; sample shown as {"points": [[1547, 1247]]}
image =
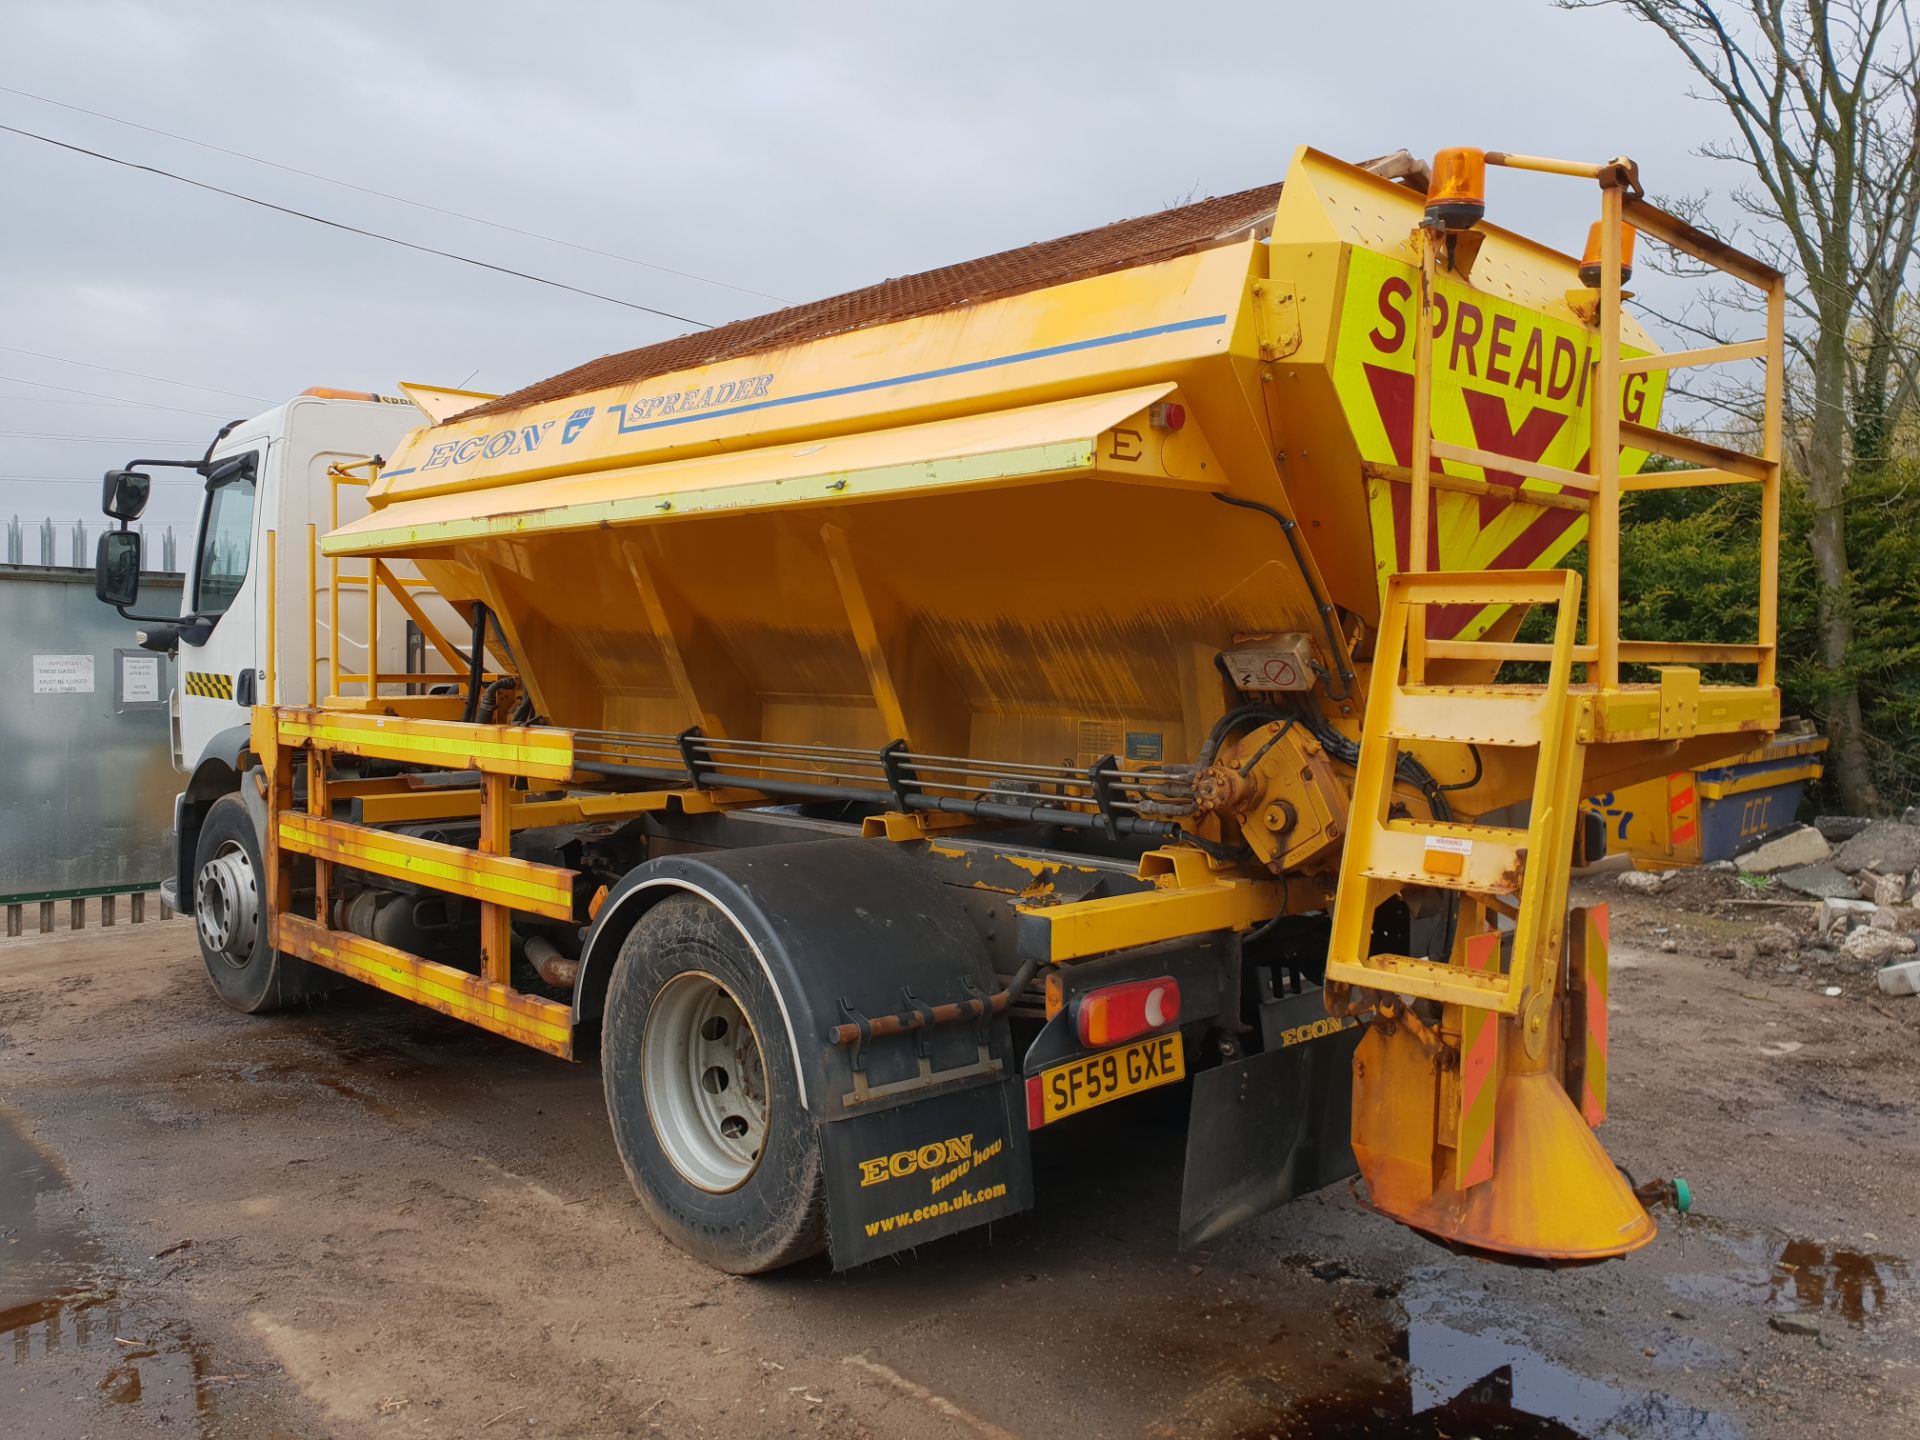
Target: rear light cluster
{"points": [[1114, 1014]]}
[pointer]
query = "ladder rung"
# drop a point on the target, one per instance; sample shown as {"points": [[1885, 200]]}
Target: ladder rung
{"points": [[1657, 652], [1468, 485], [1685, 359], [1532, 469], [1697, 452], [1437, 713], [1449, 984], [1503, 650], [1488, 865], [1509, 835], [1683, 480], [1479, 587], [1465, 884]]}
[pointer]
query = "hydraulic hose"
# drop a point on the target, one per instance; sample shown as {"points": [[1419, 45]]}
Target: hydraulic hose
{"points": [[1335, 646], [476, 662], [1406, 768]]}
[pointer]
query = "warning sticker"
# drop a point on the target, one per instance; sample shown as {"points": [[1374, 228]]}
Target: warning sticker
{"points": [[1446, 855], [63, 674]]}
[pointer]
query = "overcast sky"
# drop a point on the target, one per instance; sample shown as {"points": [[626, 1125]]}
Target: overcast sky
{"points": [[796, 150]]}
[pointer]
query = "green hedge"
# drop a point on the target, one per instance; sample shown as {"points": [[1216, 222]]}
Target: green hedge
{"points": [[1689, 567]]}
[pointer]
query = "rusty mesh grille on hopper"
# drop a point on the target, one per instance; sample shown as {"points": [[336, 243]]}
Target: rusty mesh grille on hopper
{"points": [[1120, 246]]}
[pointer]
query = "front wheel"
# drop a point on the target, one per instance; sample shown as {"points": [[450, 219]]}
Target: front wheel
{"points": [[230, 916], [701, 1091]]}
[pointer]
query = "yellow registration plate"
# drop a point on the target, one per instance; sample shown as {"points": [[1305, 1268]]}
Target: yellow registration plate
{"points": [[1080, 1085]]}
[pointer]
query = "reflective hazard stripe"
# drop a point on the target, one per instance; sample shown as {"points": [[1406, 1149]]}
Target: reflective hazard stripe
{"points": [[1683, 820], [207, 684], [1479, 1073]]}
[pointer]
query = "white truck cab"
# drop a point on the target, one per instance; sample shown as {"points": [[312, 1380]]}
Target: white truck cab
{"points": [[266, 474]]}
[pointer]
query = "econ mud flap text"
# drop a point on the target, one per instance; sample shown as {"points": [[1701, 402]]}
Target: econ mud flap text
{"points": [[901, 1177]]}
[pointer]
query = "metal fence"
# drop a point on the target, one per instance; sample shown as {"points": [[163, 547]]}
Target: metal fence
{"points": [[29, 544], [87, 782]]}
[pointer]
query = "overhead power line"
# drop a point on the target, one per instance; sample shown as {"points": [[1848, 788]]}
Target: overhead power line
{"points": [[98, 439], [9, 396], [54, 480], [98, 395], [397, 199], [135, 374], [351, 229]]}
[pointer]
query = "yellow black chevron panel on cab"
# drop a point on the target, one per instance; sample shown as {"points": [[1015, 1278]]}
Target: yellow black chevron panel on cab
{"points": [[209, 685]]}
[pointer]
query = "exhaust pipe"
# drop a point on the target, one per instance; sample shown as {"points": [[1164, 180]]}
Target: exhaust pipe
{"points": [[556, 969]]}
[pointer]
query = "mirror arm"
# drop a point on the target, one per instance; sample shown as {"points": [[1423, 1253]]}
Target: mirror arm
{"points": [[193, 620]]}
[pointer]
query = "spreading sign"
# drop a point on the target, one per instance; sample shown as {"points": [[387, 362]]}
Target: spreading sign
{"points": [[1507, 378]]}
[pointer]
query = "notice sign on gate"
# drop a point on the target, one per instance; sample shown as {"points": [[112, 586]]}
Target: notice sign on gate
{"points": [[63, 674], [137, 682]]}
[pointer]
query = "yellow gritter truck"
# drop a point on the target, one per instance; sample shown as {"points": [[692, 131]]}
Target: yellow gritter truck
{"points": [[887, 728]]}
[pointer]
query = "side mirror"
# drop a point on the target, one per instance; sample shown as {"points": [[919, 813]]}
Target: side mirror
{"points": [[123, 493], [116, 568]]}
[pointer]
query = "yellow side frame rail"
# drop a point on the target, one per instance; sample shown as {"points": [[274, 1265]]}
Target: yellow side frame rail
{"points": [[488, 875]]}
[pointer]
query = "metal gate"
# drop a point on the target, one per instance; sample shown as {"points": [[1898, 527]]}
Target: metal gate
{"points": [[87, 782]]}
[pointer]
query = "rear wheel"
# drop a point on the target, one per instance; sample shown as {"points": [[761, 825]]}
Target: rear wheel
{"points": [[229, 914], [700, 1088]]}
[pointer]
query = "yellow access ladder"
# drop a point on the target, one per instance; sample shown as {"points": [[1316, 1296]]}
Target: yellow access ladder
{"points": [[1385, 852], [1463, 1124]]}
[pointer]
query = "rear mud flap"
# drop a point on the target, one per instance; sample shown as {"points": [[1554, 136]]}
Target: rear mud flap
{"points": [[1273, 1126], [897, 1178]]}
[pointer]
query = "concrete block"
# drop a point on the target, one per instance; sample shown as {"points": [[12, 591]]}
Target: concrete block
{"points": [[1644, 882], [1900, 979], [1842, 914], [1823, 881], [1785, 851]]}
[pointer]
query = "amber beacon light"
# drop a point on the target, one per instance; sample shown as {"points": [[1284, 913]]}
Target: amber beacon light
{"points": [[1457, 198], [1590, 257]]}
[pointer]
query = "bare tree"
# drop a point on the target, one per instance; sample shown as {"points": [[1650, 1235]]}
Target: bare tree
{"points": [[1824, 100]]}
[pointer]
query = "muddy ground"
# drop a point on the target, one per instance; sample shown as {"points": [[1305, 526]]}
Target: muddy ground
{"points": [[369, 1221]]}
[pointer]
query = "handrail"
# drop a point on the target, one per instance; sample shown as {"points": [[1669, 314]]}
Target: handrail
{"points": [[1597, 489], [376, 579]]}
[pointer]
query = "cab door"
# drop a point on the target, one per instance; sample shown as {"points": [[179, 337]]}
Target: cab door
{"points": [[218, 678]]}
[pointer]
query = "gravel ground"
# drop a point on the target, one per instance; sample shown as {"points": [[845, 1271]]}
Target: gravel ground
{"points": [[370, 1221]]}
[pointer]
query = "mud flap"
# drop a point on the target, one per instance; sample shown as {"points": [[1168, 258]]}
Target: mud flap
{"points": [[897, 1178], [1273, 1126]]}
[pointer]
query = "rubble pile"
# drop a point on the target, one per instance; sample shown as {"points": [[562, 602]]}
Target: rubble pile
{"points": [[1839, 896]]}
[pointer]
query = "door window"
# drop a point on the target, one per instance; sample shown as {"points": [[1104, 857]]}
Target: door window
{"points": [[226, 537]]}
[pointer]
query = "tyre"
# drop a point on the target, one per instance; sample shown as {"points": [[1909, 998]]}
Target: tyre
{"points": [[700, 1086], [229, 915]]}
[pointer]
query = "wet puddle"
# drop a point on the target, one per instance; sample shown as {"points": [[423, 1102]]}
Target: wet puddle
{"points": [[69, 1342], [1824, 1279], [1803, 1278], [1444, 1383]]}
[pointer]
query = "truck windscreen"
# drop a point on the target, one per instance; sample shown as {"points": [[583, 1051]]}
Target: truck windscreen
{"points": [[226, 537]]}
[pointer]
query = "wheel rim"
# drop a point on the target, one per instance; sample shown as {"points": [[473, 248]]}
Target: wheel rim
{"points": [[705, 1082], [227, 904]]}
